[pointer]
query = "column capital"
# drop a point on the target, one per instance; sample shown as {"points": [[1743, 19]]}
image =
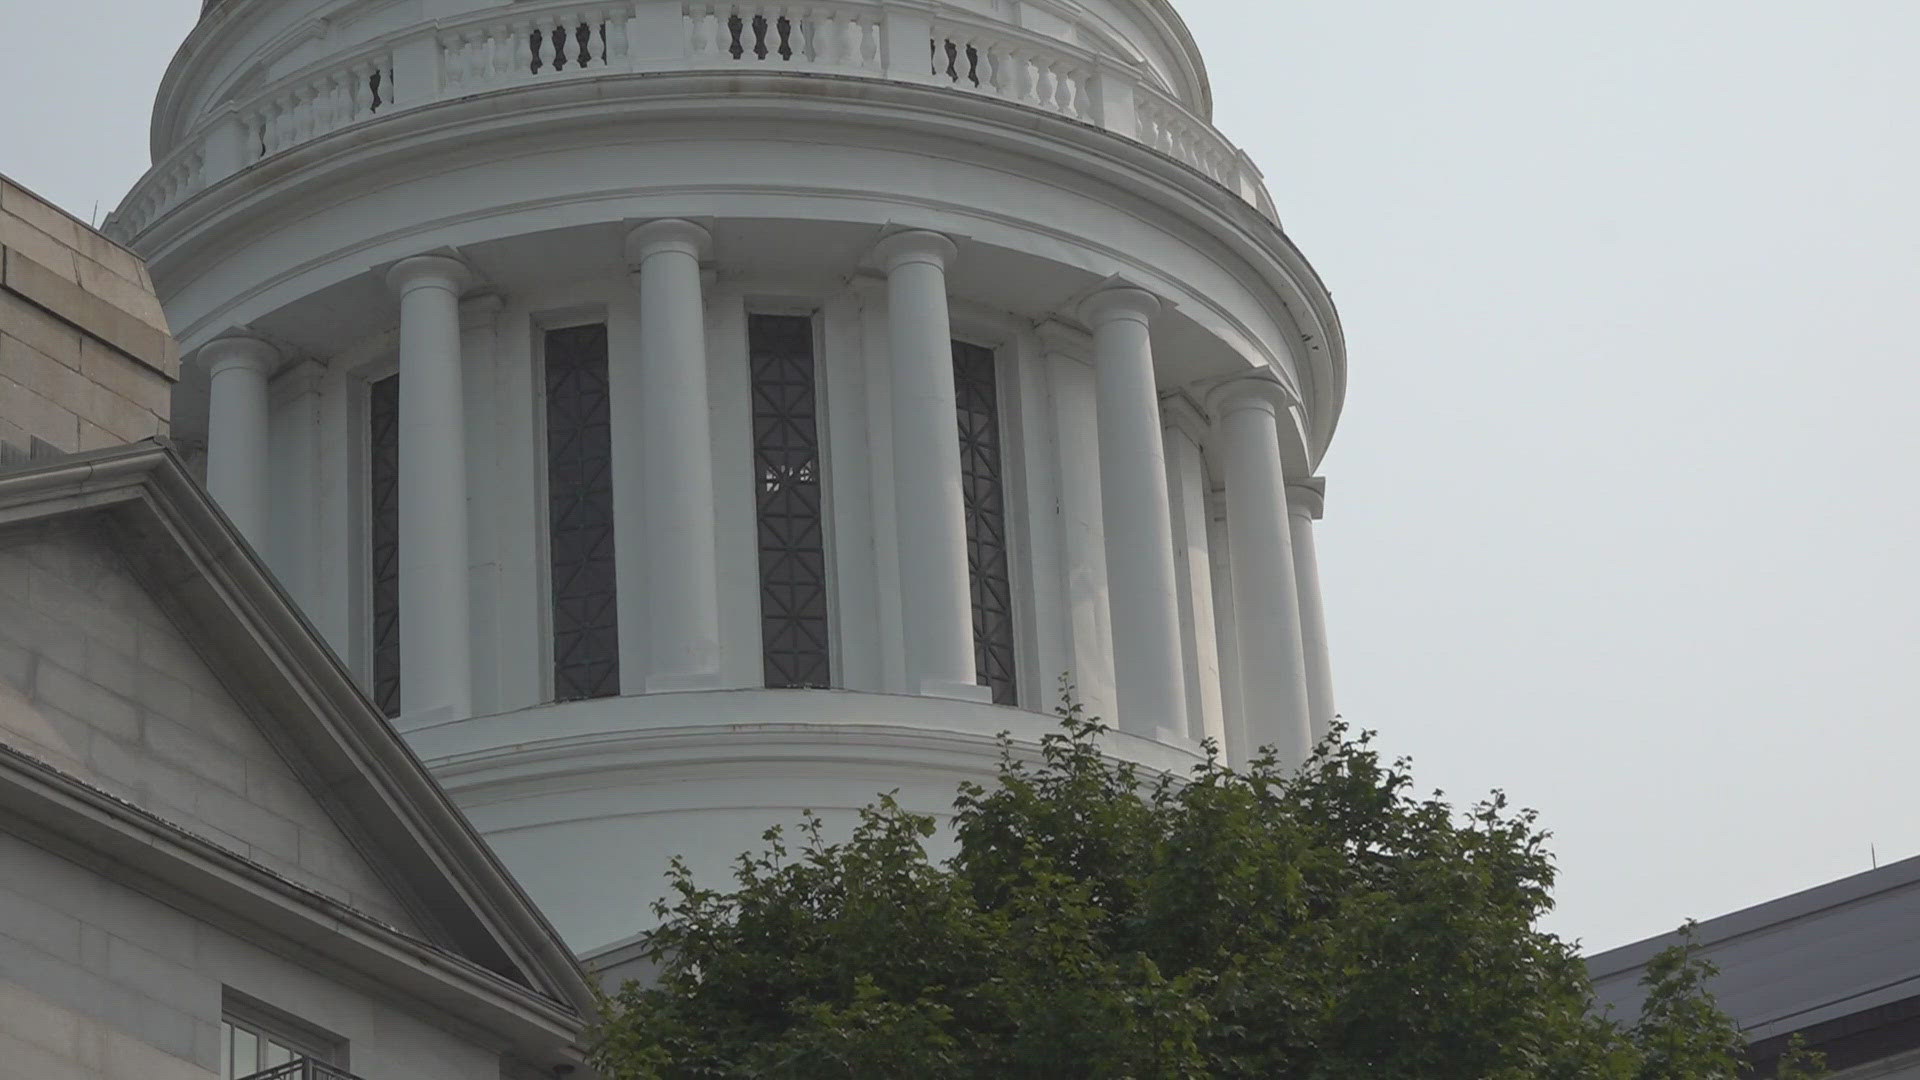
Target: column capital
{"points": [[1263, 392], [1307, 497], [667, 235], [914, 246], [429, 272], [240, 351], [1120, 302]]}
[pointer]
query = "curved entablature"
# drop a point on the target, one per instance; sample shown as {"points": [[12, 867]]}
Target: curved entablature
{"points": [[255, 80]]}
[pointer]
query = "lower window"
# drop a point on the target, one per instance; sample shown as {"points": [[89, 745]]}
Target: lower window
{"points": [[256, 1046]]}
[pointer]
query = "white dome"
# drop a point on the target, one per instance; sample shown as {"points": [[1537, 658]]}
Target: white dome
{"points": [[682, 297]]}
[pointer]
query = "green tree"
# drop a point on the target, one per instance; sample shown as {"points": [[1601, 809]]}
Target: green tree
{"points": [[1324, 924]]}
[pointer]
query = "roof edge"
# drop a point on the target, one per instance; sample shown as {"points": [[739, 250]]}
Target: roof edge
{"points": [[148, 480]]}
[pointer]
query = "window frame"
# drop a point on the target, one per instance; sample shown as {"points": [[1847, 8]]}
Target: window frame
{"points": [[360, 380], [810, 309], [542, 327], [537, 325], [265, 1023], [1001, 335]]}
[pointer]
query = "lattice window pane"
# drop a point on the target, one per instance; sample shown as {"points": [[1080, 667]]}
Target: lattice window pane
{"points": [[976, 390], [786, 459], [383, 486], [586, 629]]}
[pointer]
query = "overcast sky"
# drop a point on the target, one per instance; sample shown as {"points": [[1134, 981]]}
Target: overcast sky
{"points": [[1621, 518]]}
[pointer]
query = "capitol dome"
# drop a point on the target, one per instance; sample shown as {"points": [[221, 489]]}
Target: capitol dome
{"points": [[683, 413]]}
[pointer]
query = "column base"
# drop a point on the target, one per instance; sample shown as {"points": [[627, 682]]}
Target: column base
{"points": [[953, 691]]}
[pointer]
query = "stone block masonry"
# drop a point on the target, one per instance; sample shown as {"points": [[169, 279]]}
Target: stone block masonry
{"points": [[86, 359]]}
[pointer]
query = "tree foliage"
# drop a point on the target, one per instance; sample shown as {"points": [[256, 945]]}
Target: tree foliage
{"points": [[1319, 924]]}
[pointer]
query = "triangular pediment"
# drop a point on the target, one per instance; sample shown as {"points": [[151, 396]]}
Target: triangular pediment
{"points": [[98, 680], [153, 672]]}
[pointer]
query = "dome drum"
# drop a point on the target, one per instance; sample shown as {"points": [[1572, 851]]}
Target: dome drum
{"points": [[683, 413]]}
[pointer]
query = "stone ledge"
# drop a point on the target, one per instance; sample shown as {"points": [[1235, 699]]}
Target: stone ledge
{"points": [[66, 299]]}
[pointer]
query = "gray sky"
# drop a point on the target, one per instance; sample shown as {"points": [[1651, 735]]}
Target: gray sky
{"points": [[1620, 517]]}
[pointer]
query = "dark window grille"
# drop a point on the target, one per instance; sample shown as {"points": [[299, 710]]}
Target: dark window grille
{"points": [[586, 627], [976, 390], [383, 488], [786, 460]]}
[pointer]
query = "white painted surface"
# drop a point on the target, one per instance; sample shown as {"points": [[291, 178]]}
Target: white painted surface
{"points": [[900, 211], [1306, 501], [934, 600], [1148, 669], [1273, 677], [237, 409], [434, 613], [682, 580]]}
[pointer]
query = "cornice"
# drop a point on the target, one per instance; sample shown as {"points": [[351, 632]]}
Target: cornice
{"points": [[176, 536], [1211, 213], [140, 848]]}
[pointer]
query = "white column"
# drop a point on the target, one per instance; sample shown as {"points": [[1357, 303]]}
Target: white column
{"points": [[675, 470], [1185, 431], [1273, 677], [237, 410], [1148, 668], [1083, 551], [1306, 502], [935, 600], [435, 679]]}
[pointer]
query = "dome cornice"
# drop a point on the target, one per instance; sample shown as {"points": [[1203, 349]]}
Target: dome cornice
{"points": [[1159, 185]]}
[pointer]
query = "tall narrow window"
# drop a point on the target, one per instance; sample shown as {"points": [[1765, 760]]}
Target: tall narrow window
{"points": [[786, 459], [976, 389], [383, 488], [586, 628]]}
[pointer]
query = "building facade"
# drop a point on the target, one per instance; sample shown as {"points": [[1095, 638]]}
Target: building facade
{"points": [[683, 414], [217, 858]]}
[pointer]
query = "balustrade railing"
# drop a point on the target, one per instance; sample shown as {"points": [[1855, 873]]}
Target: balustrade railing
{"points": [[302, 1069], [838, 37], [310, 106], [181, 174], [1043, 74], [532, 43], [1166, 125]]}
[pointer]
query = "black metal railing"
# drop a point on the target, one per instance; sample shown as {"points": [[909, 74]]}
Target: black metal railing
{"points": [[302, 1069]]}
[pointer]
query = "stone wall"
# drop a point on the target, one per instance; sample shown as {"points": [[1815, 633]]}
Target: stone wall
{"points": [[97, 681], [101, 982], [86, 359]]}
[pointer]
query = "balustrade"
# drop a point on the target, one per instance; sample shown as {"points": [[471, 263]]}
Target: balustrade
{"points": [[832, 36], [168, 183], [534, 45], [1167, 127], [974, 58], [316, 105], [535, 42]]}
